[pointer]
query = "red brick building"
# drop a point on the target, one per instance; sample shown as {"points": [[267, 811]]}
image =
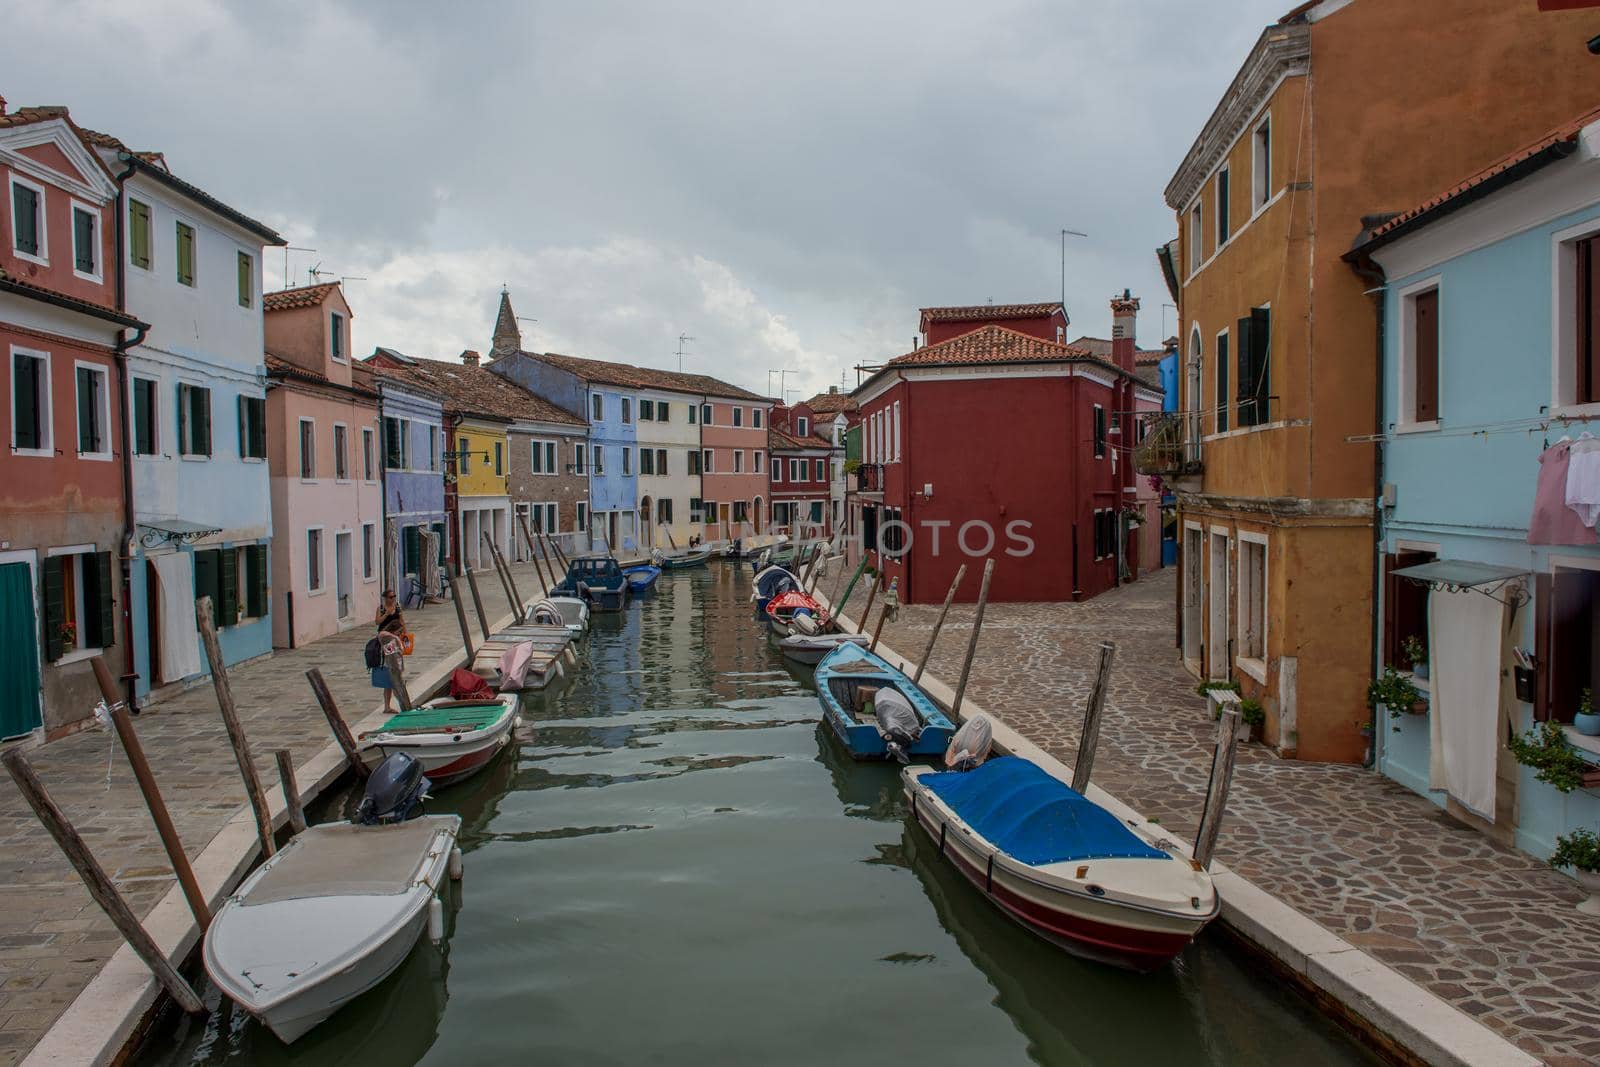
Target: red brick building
{"points": [[996, 440], [801, 467]]}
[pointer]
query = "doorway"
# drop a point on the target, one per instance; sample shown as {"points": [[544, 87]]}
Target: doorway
{"points": [[19, 684], [1217, 643], [152, 633], [647, 532], [1194, 592], [756, 511], [343, 572]]}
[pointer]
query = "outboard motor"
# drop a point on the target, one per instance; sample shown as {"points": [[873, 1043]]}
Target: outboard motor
{"points": [[897, 722], [804, 622], [394, 793], [970, 746]]}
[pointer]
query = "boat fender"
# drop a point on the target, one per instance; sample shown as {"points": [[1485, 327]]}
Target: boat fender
{"points": [[435, 920], [457, 865]]}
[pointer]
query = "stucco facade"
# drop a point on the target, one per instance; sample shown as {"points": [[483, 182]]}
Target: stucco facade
{"points": [[411, 442], [669, 430], [735, 494], [544, 486]]}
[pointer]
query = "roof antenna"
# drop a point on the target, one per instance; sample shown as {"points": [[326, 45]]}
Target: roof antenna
{"points": [[286, 250], [1064, 235], [683, 337]]}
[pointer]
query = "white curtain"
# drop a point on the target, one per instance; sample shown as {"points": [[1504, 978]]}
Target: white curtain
{"points": [[1466, 630], [180, 636]]}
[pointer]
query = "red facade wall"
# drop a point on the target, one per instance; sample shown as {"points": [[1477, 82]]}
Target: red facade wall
{"points": [[1041, 326], [720, 484], [59, 275]]}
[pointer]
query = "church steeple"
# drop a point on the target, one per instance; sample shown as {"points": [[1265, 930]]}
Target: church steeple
{"points": [[507, 338]]}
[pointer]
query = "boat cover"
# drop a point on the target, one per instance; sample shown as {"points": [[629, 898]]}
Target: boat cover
{"points": [[1033, 817], [341, 859]]}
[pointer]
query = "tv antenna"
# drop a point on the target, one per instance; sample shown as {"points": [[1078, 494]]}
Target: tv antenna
{"points": [[683, 338], [286, 250], [1064, 235]]}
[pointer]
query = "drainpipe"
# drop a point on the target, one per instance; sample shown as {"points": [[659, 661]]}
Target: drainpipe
{"points": [[1371, 272], [380, 446], [129, 674]]}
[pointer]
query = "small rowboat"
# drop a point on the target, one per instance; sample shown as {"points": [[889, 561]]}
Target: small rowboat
{"points": [[642, 577], [681, 559], [452, 739], [796, 612], [1061, 865], [568, 611], [771, 581], [811, 648], [849, 680], [333, 914]]}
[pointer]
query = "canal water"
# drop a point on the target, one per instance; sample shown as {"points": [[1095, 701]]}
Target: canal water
{"points": [[677, 866]]}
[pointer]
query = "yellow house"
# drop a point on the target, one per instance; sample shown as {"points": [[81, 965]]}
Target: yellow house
{"points": [[480, 502]]}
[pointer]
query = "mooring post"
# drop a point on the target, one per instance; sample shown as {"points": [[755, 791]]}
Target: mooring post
{"points": [[836, 603], [518, 605], [123, 723], [99, 884], [291, 790], [866, 612], [534, 552], [505, 580], [461, 614], [1089, 737], [877, 631], [972, 643], [397, 674], [673, 541], [341, 729], [561, 557], [230, 719], [477, 602], [938, 624], [1205, 839]]}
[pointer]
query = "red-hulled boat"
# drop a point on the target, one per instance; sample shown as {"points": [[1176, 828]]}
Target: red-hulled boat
{"points": [[796, 612]]}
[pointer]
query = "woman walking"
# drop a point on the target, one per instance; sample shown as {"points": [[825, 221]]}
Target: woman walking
{"points": [[391, 624]]}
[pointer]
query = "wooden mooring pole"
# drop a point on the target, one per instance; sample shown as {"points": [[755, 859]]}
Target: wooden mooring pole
{"points": [[1205, 838], [461, 614], [291, 790], [99, 884], [123, 723], [561, 557], [972, 643], [230, 719], [477, 602], [938, 624], [341, 729], [866, 612], [505, 578], [1089, 737], [397, 675], [534, 552], [836, 603]]}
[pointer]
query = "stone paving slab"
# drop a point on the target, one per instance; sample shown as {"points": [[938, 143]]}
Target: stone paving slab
{"points": [[1490, 930], [53, 938]]}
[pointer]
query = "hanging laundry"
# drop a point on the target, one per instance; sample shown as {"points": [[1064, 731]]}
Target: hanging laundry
{"points": [[1553, 523], [1583, 479]]}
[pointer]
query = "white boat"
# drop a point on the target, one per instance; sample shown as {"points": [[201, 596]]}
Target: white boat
{"points": [[450, 738], [569, 611], [811, 648], [328, 918]]}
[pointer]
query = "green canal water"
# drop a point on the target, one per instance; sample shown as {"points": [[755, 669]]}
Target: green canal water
{"points": [[677, 866]]}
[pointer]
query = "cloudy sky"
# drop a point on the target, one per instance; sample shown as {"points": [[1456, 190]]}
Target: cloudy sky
{"points": [[787, 183]]}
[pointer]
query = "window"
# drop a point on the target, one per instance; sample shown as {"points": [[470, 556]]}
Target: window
{"points": [[758, 457], [738, 458], [1222, 207], [433, 448], [252, 427], [313, 560], [705, 414], [662, 410], [755, 417], [796, 470], [194, 420], [1586, 304], [892, 532], [256, 598], [627, 410], [367, 472], [599, 459], [664, 512], [597, 410], [896, 412], [777, 469], [803, 424], [1261, 165], [94, 411], [647, 411], [694, 458], [544, 518], [1566, 626], [146, 413], [741, 508], [694, 501], [1099, 432], [661, 462], [818, 471], [692, 411], [706, 465], [580, 458], [583, 515], [336, 335], [544, 457], [308, 449], [1253, 599], [627, 460], [28, 220], [85, 242], [738, 416], [367, 540], [185, 254], [247, 280], [1105, 533], [1419, 357], [341, 458], [396, 442], [1223, 399], [1194, 239], [647, 460], [499, 458], [1405, 607], [78, 610], [139, 234], [1255, 367], [216, 575]]}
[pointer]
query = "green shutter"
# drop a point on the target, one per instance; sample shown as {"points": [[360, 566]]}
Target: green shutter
{"points": [[244, 423], [246, 281], [258, 427], [438, 529], [83, 250], [228, 578], [185, 254], [200, 418], [25, 406], [55, 605], [205, 580], [25, 209], [255, 578], [143, 398], [99, 602], [139, 233]]}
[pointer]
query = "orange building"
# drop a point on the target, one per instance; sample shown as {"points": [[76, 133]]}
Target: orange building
{"points": [[1343, 110]]}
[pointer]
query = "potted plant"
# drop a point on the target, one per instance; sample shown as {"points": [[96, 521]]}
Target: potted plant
{"points": [[1555, 762], [1417, 655], [69, 634], [1394, 691], [1586, 722], [1252, 717], [1580, 851]]}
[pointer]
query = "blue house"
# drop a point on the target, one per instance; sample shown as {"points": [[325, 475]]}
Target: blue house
{"points": [[1491, 356], [412, 417]]}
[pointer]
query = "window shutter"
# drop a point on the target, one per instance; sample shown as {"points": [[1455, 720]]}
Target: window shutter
{"points": [[244, 425], [1261, 364], [98, 599], [1587, 378], [254, 584], [205, 580], [228, 587], [83, 241], [258, 427], [202, 420], [1543, 614], [55, 605], [25, 209], [139, 237], [1246, 341], [25, 405], [1425, 309], [1223, 397]]}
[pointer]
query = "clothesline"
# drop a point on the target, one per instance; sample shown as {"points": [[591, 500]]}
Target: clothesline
{"points": [[1541, 424]]}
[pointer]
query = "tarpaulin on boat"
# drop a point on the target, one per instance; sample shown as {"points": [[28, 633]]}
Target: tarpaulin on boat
{"points": [[1034, 817]]}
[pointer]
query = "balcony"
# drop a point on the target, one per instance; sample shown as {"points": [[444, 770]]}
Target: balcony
{"points": [[869, 478], [1171, 448]]}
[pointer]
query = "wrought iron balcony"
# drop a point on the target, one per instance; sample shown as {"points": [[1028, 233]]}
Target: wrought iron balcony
{"points": [[869, 478], [1170, 446]]}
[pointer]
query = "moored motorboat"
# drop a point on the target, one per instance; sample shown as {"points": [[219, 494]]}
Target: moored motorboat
{"points": [[908, 723], [599, 580], [681, 558], [566, 611], [1063, 866], [450, 738], [641, 577], [769, 582], [796, 612], [811, 648], [514, 664]]}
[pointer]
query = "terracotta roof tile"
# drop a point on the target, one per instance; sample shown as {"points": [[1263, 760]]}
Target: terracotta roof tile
{"points": [[628, 376], [480, 391], [832, 403], [24, 116], [304, 296], [279, 365], [978, 312], [990, 344], [783, 441], [1100, 348]]}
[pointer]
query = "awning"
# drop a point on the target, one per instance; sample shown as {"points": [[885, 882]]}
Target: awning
{"points": [[1456, 575], [167, 531]]}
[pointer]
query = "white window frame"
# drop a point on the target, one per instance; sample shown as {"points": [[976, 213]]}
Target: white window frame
{"points": [[548, 451], [895, 411], [1260, 176], [183, 418], [369, 552], [300, 448], [627, 461], [803, 424], [755, 418], [738, 416], [74, 206], [338, 342], [346, 480], [757, 456], [580, 459], [597, 459], [1244, 587], [322, 572], [47, 407], [1563, 333], [738, 459], [80, 650], [1212, 406], [707, 466], [1406, 412], [777, 470], [795, 474], [1106, 448], [369, 458], [627, 410], [43, 258], [707, 413], [581, 518], [819, 470], [597, 407], [435, 437], [104, 455], [155, 416]]}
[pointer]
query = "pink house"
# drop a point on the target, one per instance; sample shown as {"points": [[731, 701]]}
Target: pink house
{"points": [[733, 474], [322, 451]]}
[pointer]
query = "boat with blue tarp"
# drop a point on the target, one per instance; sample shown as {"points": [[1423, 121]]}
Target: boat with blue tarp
{"points": [[597, 579], [876, 710], [641, 577], [1114, 890]]}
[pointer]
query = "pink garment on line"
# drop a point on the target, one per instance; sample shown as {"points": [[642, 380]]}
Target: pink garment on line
{"points": [[1553, 523]]}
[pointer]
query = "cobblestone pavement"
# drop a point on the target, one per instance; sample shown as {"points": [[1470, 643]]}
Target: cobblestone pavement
{"points": [[1488, 929], [53, 937]]}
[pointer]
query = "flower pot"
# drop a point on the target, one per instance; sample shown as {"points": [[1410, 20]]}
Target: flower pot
{"points": [[1590, 880], [1587, 724]]}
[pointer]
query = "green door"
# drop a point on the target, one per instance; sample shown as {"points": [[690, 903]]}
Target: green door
{"points": [[19, 683]]}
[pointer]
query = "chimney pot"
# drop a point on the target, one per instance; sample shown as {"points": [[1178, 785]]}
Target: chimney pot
{"points": [[469, 358]]}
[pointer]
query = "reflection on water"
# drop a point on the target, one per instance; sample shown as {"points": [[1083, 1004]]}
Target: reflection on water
{"points": [[677, 865]]}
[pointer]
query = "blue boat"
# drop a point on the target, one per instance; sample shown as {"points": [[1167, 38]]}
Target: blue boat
{"points": [[843, 674], [642, 577], [770, 583], [598, 580]]}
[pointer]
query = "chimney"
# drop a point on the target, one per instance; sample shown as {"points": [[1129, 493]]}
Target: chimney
{"points": [[833, 390], [469, 358], [1124, 317]]}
